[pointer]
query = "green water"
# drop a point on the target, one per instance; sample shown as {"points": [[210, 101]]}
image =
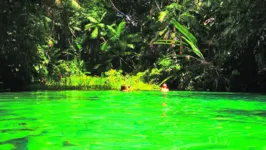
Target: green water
{"points": [[80, 120]]}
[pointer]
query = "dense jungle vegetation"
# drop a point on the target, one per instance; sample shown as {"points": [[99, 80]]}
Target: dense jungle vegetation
{"points": [[216, 45]]}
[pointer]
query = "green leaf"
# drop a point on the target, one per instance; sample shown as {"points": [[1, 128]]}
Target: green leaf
{"points": [[163, 42], [104, 46], [101, 25], [186, 16], [120, 28], [88, 26], [177, 66], [91, 19], [97, 66], [94, 33], [133, 36], [131, 46], [76, 28], [163, 31], [112, 30], [166, 62], [47, 19], [184, 31], [174, 6], [79, 46], [75, 4], [194, 48], [162, 15], [103, 16]]}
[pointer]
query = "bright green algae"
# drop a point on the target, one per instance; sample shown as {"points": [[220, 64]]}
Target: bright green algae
{"points": [[136, 120]]}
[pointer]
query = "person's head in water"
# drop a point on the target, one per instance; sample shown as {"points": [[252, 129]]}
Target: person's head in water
{"points": [[164, 88], [164, 85], [123, 88]]}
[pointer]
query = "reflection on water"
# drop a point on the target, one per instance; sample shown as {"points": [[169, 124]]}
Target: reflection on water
{"points": [[136, 120], [261, 113]]}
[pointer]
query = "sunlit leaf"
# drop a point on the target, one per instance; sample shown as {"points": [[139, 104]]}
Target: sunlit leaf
{"points": [[174, 6], [91, 19], [120, 28], [163, 31], [76, 28], [47, 19], [131, 46], [75, 4], [194, 48], [112, 30], [97, 66], [88, 26], [165, 62], [177, 67], [101, 25], [104, 46], [184, 31], [162, 15], [79, 46], [94, 33]]}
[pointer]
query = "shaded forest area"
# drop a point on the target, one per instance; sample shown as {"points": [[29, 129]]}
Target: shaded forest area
{"points": [[214, 45]]}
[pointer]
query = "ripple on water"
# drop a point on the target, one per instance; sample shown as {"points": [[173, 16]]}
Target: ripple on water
{"points": [[141, 120]]}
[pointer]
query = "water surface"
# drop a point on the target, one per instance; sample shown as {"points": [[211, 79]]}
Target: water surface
{"points": [[137, 120]]}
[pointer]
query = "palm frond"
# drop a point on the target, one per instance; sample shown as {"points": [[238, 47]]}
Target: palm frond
{"points": [[184, 31], [194, 48]]}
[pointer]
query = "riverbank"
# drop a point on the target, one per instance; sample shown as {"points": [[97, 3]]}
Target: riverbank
{"points": [[111, 80]]}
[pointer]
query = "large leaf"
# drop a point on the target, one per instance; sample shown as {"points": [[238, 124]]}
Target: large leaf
{"points": [[101, 25], [88, 26], [94, 33], [112, 30], [104, 46], [75, 4], [120, 28], [131, 46], [93, 20], [162, 15], [184, 31], [47, 19], [76, 28], [194, 48]]}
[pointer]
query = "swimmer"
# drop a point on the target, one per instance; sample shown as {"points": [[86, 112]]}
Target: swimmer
{"points": [[164, 88], [125, 88]]}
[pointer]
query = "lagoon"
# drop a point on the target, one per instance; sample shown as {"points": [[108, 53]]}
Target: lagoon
{"points": [[132, 120]]}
